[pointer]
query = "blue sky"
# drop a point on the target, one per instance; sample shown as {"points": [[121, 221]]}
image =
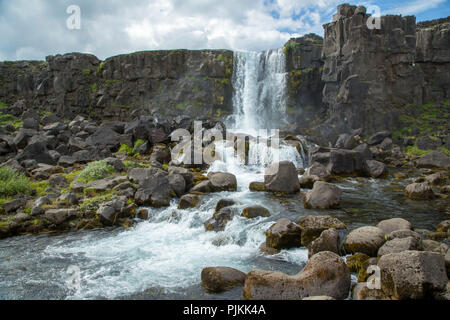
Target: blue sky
{"points": [[33, 29]]}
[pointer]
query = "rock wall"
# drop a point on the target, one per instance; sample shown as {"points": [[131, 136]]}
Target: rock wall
{"points": [[370, 75], [172, 83]]}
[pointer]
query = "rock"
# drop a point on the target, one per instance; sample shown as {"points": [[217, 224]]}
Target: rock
{"points": [[139, 175], [38, 204], [347, 161], [116, 164], [106, 184], [434, 246], [445, 189], [403, 234], [283, 235], [308, 181], [325, 274], [58, 180], [419, 191], [219, 279], [257, 187], [365, 240], [69, 198], [425, 278], [109, 212], [189, 201], [433, 159], [378, 137], [161, 154], [187, 175], [154, 191], [323, 196], [443, 226], [219, 220], [362, 292], [13, 205], [264, 249], [21, 217], [435, 179], [178, 184], [346, 141], [374, 168], [223, 203], [255, 212], [313, 226], [394, 224], [36, 151], [399, 245], [281, 177], [203, 187], [104, 138], [59, 216], [220, 181], [328, 241], [31, 123], [319, 170]]}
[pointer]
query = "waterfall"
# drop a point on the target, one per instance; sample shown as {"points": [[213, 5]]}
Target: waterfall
{"points": [[259, 83]]}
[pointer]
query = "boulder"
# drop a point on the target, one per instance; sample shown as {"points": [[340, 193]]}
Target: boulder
{"points": [[365, 240], [328, 241], [419, 191], [435, 179], [378, 137], [319, 170], [398, 245], [154, 191], [58, 180], [433, 159], [374, 168], [403, 234], [283, 235], [13, 205], [443, 226], [110, 211], [203, 187], [138, 175], [189, 201], [255, 212], [219, 220], [425, 278], [394, 224], [358, 263], [178, 184], [281, 177], [36, 151], [257, 187], [323, 196], [223, 203], [346, 141], [362, 292], [219, 279], [434, 246], [220, 181], [308, 181], [104, 138], [59, 216], [313, 226], [324, 275]]}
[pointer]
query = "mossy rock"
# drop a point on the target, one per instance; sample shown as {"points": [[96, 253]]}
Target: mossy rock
{"points": [[257, 187], [358, 263]]}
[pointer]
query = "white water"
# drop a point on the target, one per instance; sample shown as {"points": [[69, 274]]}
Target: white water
{"points": [[169, 250]]}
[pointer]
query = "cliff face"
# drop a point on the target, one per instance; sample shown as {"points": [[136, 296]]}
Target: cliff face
{"points": [[371, 75], [172, 83]]}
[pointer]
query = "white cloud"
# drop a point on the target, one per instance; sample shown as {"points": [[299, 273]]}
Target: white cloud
{"points": [[415, 7]]}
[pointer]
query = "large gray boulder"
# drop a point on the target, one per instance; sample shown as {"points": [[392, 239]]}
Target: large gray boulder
{"points": [[365, 240], [325, 274], [313, 226], [59, 216], [283, 235], [419, 191], [220, 181], [282, 177], [394, 224], [154, 191], [433, 159], [374, 168], [399, 245], [413, 274], [323, 196]]}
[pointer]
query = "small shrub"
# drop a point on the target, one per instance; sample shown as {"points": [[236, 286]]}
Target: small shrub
{"points": [[133, 164], [95, 171], [13, 183]]}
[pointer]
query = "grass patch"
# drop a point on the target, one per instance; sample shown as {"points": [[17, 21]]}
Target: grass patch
{"points": [[13, 183], [40, 187], [95, 171], [92, 204], [415, 151], [86, 72], [10, 119], [133, 164], [3, 105], [131, 151]]}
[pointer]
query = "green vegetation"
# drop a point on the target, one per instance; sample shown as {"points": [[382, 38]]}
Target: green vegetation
{"points": [[93, 87], [100, 67], [10, 119], [87, 72], [228, 63], [415, 151], [3, 105], [131, 151], [133, 164], [291, 46], [95, 171], [40, 187], [92, 204], [13, 183]]}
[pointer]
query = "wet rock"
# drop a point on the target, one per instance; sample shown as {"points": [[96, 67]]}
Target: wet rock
{"points": [[219, 220], [283, 235], [435, 179], [323, 196], [399, 245], [257, 187], [365, 240], [319, 170], [434, 246], [220, 181], [394, 224], [328, 241], [189, 201], [425, 278], [59, 216], [419, 191], [203, 187], [313, 226], [281, 177], [255, 212], [325, 274], [433, 159], [264, 249], [223, 203], [358, 263], [178, 184], [219, 279], [308, 181], [374, 168]]}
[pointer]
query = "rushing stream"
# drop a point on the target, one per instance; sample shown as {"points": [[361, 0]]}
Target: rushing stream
{"points": [[162, 258]]}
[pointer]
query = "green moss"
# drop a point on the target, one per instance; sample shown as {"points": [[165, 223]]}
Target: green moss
{"points": [[415, 151], [165, 167], [10, 119], [93, 87], [91, 205], [13, 183], [86, 72], [40, 187], [3, 105], [100, 67], [133, 164], [95, 171], [291, 45]]}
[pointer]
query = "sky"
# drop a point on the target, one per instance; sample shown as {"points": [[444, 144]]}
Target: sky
{"points": [[33, 29]]}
